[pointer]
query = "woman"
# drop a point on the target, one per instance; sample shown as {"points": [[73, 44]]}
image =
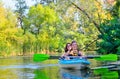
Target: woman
{"points": [[68, 49]]}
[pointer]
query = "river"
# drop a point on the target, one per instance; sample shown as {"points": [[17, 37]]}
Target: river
{"points": [[25, 68]]}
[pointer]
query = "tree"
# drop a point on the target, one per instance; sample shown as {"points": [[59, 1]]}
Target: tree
{"points": [[8, 30], [40, 16], [45, 2], [40, 21], [115, 8], [110, 42], [21, 7], [76, 25]]}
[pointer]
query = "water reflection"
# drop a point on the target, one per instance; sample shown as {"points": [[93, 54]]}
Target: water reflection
{"points": [[106, 73], [40, 74], [25, 68], [47, 73], [74, 74]]}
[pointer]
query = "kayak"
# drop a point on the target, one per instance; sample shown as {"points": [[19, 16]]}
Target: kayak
{"points": [[74, 63]]}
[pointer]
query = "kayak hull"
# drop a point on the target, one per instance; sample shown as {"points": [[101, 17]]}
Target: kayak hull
{"points": [[74, 64]]}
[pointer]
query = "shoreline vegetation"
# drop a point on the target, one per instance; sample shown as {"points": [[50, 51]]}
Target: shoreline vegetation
{"points": [[47, 26], [27, 54], [30, 54]]}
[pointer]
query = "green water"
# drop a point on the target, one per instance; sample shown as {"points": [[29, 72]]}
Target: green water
{"points": [[25, 68]]}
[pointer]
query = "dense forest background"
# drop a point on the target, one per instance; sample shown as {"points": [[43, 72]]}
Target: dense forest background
{"points": [[48, 25]]}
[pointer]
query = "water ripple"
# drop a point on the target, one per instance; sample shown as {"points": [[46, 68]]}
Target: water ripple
{"points": [[30, 66]]}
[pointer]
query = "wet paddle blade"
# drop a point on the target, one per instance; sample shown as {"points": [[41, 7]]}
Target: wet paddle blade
{"points": [[109, 57], [40, 57]]}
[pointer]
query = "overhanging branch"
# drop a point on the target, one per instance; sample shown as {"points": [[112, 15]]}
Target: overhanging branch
{"points": [[84, 12]]}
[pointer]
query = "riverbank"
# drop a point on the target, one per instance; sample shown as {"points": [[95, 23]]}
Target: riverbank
{"points": [[30, 54], [12, 54]]}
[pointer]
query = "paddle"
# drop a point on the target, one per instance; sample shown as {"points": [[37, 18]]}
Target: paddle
{"points": [[42, 57], [108, 57]]}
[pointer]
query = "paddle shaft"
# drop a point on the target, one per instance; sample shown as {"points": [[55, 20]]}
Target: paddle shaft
{"points": [[89, 57], [54, 57]]}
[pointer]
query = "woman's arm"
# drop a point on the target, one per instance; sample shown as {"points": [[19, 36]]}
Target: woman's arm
{"points": [[65, 55], [81, 53]]}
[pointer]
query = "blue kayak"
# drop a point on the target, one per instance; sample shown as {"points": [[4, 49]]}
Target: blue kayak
{"points": [[75, 63]]}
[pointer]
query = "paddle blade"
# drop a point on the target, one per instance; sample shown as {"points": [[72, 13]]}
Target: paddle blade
{"points": [[40, 57], [109, 57]]}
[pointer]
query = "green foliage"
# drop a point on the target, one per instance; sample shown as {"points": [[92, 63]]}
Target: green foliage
{"points": [[7, 30], [40, 17], [44, 29], [20, 7], [47, 28], [115, 12], [41, 21], [76, 26], [110, 40]]}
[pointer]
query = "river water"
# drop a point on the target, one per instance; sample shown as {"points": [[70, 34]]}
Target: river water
{"points": [[25, 68]]}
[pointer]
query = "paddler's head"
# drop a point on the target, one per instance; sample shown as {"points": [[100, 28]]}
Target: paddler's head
{"points": [[74, 45], [68, 47]]}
